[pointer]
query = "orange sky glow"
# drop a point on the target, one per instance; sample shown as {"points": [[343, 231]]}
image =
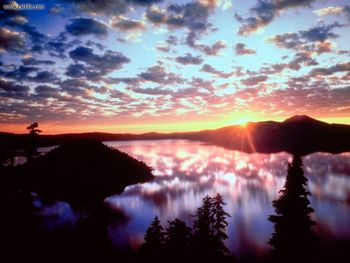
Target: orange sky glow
{"points": [[56, 128]]}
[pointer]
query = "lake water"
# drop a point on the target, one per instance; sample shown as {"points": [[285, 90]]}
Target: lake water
{"points": [[186, 171]]}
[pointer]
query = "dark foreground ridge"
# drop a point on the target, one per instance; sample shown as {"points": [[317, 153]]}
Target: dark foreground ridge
{"points": [[82, 171], [299, 134]]}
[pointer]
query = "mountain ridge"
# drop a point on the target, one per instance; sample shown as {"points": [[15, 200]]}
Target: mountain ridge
{"points": [[298, 134]]}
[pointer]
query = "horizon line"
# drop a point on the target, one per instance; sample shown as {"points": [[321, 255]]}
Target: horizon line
{"points": [[108, 128]]}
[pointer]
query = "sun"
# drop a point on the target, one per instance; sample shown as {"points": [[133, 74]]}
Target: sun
{"points": [[243, 122]]}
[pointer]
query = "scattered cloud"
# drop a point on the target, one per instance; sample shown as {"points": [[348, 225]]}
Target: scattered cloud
{"points": [[241, 49], [11, 41], [329, 10], [212, 50], [87, 26], [56, 9], [12, 90], [210, 69], [194, 16], [254, 80], [126, 25], [188, 59], [159, 74], [108, 7], [33, 61], [95, 65], [265, 11], [314, 39], [325, 71]]}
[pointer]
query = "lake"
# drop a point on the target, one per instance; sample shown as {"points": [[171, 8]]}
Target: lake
{"points": [[186, 171]]}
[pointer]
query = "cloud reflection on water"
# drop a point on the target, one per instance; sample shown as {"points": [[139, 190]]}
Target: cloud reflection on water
{"points": [[186, 171]]}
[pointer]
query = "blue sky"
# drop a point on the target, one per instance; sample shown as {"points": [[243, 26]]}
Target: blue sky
{"points": [[137, 65]]}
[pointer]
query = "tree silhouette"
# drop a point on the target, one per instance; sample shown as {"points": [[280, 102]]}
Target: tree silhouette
{"points": [[293, 239], [32, 141], [210, 228], [178, 237], [203, 227], [33, 129], [154, 240], [220, 225], [178, 243]]}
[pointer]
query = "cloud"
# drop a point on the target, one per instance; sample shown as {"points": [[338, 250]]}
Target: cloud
{"points": [[265, 11], [126, 80], [45, 91], [12, 90], [97, 65], [127, 25], [329, 10], [163, 48], [193, 16], [19, 73], [56, 9], [188, 59], [300, 58], [90, 43], [172, 40], [345, 10], [11, 41], [286, 40], [251, 81], [58, 46], [212, 50], [44, 76], [324, 47], [87, 26], [76, 86], [209, 69], [339, 67], [311, 40], [320, 32], [33, 61], [108, 7], [19, 19], [241, 49], [152, 91], [158, 74]]}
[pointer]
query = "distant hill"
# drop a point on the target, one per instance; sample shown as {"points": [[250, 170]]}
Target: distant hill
{"points": [[299, 134]]}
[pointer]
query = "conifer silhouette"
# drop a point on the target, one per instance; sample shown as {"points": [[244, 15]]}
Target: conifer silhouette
{"points": [[293, 239]]}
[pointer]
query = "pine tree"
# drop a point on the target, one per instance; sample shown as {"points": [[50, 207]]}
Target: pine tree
{"points": [[154, 239], [293, 238], [178, 236], [220, 225], [204, 220]]}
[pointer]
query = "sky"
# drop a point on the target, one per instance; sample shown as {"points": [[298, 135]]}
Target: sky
{"points": [[138, 66]]}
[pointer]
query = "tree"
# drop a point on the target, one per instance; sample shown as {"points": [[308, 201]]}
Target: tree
{"points": [[154, 239], [220, 225], [210, 228], [293, 239], [178, 237], [206, 243], [32, 141], [203, 224], [33, 129]]}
